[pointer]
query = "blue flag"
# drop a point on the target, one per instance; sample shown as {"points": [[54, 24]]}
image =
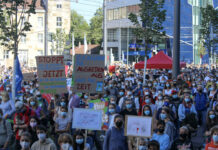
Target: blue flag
{"points": [[19, 77]]}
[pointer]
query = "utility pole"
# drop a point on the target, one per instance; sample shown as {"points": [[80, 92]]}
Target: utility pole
{"points": [[105, 31], [176, 39], [46, 28], [15, 58]]}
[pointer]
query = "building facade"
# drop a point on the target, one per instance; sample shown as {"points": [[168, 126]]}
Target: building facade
{"points": [[34, 43], [120, 28]]}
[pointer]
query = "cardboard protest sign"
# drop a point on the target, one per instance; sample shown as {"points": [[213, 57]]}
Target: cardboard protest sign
{"points": [[51, 74], [87, 119], [89, 73], [137, 126], [28, 76], [101, 104]]}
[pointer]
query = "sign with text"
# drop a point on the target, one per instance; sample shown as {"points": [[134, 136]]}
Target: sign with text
{"points": [[89, 73], [101, 104], [51, 74], [138, 126], [28, 76], [88, 119]]}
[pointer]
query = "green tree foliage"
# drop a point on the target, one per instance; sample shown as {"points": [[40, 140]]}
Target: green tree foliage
{"points": [[150, 23], [95, 34], [11, 30], [59, 41], [209, 23], [79, 26]]}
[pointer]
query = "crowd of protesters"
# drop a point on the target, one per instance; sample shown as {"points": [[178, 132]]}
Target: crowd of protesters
{"points": [[179, 109]]}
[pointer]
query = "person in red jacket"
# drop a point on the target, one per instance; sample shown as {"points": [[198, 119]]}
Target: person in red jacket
{"points": [[213, 145]]}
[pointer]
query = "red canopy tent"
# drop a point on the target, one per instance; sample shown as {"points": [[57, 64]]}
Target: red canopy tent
{"points": [[159, 61]]}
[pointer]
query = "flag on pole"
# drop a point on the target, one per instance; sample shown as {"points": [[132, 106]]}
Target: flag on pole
{"points": [[85, 45], [19, 77]]}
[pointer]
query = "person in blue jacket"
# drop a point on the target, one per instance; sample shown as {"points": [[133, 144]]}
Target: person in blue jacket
{"points": [[162, 138], [115, 139]]}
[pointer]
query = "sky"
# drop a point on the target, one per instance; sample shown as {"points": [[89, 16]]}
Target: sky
{"points": [[86, 8]]}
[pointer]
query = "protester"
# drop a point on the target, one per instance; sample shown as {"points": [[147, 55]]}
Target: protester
{"points": [[214, 142], [5, 132], [32, 128], [79, 142], [7, 106], [115, 139], [25, 141], [43, 143], [161, 137], [153, 145], [65, 142], [184, 141]]}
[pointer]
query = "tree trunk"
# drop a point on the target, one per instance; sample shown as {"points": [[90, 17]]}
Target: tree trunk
{"points": [[15, 57]]}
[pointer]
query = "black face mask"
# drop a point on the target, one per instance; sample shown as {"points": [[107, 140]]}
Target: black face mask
{"points": [[119, 124], [200, 90], [161, 130], [184, 136]]}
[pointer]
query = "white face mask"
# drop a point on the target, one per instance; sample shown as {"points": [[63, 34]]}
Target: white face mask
{"points": [[24, 144], [65, 146], [41, 136]]}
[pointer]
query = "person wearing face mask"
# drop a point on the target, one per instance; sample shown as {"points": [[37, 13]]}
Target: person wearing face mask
{"points": [[175, 99], [142, 144], [32, 128], [62, 122], [201, 104], [167, 89], [185, 108], [161, 137], [170, 128], [7, 106], [183, 141], [65, 141], [159, 102], [42, 103], [21, 120], [25, 141], [34, 106], [147, 111], [112, 89], [115, 139], [78, 142], [213, 145], [129, 109], [5, 132], [111, 113], [43, 143]]}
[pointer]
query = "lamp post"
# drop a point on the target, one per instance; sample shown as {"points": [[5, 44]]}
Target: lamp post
{"points": [[176, 39]]}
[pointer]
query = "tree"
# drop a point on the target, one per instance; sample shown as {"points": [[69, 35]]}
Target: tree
{"points": [[59, 41], [14, 16], [95, 34], [79, 26], [209, 27], [149, 25], [201, 50]]}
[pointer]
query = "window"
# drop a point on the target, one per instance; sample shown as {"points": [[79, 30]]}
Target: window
{"points": [[23, 39], [110, 14], [59, 6], [6, 54], [40, 21], [40, 37], [123, 13], [59, 21], [116, 14], [23, 56], [112, 35]]}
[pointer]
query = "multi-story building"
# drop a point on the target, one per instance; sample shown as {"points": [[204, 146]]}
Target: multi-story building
{"points": [[120, 28], [34, 44]]}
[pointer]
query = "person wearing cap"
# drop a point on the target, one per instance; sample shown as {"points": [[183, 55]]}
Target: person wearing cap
{"points": [[21, 120]]}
